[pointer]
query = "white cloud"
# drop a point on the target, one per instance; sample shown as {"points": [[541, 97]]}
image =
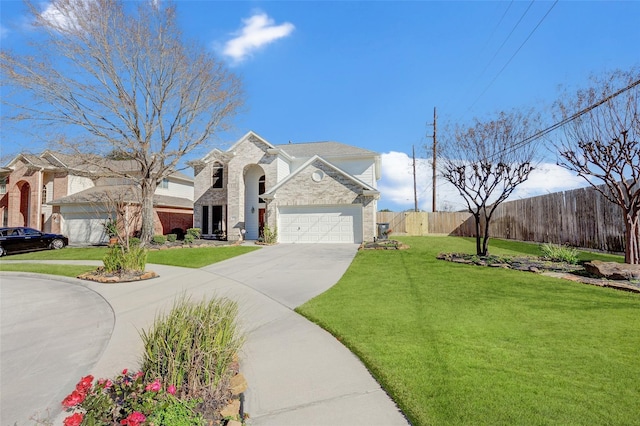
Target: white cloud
{"points": [[259, 30], [396, 184], [3, 32], [60, 19]]}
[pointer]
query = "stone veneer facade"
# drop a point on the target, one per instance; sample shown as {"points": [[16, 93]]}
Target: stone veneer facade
{"points": [[300, 190]]}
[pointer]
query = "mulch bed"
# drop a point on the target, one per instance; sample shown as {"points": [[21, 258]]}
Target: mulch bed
{"points": [[576, 273], [101, 276], [383, 245]]}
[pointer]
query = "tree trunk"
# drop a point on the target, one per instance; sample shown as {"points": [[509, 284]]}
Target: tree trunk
{"points": [[148, 188], [478, 245], [485, 239], [632, 239]]}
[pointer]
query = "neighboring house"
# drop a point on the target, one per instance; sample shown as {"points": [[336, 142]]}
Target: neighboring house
{"points": [[61, 193], [320, 192]]}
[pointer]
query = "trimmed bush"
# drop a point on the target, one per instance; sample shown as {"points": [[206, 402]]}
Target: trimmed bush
{"points": [[193, 346], [172, 238], [558, 253], [159, 239], [189, 238], [195, 232]]}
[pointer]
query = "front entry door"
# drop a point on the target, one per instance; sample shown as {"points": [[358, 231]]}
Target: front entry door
{"points": [[261, 213]]}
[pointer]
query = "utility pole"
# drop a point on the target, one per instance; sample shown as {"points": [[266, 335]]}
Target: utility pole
{"points": [[415, 187], [433, 182]]}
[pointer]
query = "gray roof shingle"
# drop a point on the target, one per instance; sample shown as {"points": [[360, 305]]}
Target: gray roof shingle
{"points": [[105, 194], [323, 149]]}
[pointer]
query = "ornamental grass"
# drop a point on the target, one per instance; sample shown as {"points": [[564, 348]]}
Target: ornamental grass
{"points": [[193, 346]]}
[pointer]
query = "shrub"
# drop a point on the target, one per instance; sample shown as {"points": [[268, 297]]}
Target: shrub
{"points": [[269, 236], [159, 239], [118, 259], [189, 238], [193, 346], [127, 399], [178, 413], [196, 232], [558, 253], [172, 238], [134, 241]]}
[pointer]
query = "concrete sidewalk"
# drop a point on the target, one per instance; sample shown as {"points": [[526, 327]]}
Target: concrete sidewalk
{"points": [[298, 374]]}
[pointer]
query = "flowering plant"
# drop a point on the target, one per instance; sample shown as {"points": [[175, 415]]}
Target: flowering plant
{"points": [[126, 400]]}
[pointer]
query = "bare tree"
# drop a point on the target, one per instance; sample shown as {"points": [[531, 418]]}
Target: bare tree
{"points": [[122, 74], [602, 144], [486, 162]]}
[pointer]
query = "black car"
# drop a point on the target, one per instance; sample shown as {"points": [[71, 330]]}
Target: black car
{"points": [[18, 240]]}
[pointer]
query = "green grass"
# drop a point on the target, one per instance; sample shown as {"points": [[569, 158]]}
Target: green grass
{"points": [[197, 257], [52, 269], [465, 345], [185, 257]]}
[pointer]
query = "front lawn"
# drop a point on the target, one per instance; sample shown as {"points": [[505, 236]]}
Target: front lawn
{"points": [[186, 257], [47, 268], [465, 345]]}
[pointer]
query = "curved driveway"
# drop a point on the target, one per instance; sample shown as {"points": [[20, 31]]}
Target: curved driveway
{"points": [[51, 333], [297, 372]]}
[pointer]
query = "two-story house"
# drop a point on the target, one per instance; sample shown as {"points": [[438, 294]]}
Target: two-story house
{"points": [[319, 192], [56, 192]]}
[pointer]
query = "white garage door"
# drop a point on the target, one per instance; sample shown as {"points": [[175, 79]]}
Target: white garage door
{"points": [[328, 224], [82, 230]]}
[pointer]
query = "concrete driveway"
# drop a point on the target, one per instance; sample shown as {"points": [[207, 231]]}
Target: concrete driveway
{"points": [[51, 334], [298, 374]]}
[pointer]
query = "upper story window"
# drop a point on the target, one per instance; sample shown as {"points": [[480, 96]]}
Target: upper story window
{"points": [[3, 185], [44, 194], [261, 188], [164, 183], [216, 175]]}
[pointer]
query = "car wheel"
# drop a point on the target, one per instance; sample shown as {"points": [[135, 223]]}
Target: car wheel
{"points": [[2, 251], [57, 244]]}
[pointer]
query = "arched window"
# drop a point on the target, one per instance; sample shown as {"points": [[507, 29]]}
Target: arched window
{"points": [[218, 171], [44, 194], [261, 188]]}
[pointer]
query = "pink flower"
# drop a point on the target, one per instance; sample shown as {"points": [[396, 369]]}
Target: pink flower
{"points": [[73, 420], [84, 385], [134, 419], [124, 372], [73, 399], [108, 384], [171, 390], [138, 375], [154, 387]]}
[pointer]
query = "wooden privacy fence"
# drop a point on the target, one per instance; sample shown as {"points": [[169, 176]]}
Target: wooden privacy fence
{"points": [[423, 223], [579, 217]]}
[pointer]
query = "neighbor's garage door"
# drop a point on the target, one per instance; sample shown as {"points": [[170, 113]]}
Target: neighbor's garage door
{"points": [[81, 229], [330, 224]]}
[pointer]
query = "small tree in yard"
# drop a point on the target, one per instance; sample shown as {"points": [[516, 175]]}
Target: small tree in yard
{"points": [[486, 162], [121, 79], [602, 144]]}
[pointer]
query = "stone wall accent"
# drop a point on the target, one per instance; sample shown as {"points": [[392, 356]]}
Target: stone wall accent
{"points": [[333, 188], [249, 151]]}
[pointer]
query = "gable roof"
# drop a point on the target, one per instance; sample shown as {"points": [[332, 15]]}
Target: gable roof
{"points": [[325, 149], [84, 164], [219, 154], [125, 193], [365, 187]]}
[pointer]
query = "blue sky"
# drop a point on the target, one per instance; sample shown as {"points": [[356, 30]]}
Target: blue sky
{"points": [[370, 73]]}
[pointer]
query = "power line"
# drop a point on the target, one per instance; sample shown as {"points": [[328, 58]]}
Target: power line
{"points": [[515, 53], [506, 39], [569, 119]]}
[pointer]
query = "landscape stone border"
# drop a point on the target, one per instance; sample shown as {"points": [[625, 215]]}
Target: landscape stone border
{"points": [[575, 273]]}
